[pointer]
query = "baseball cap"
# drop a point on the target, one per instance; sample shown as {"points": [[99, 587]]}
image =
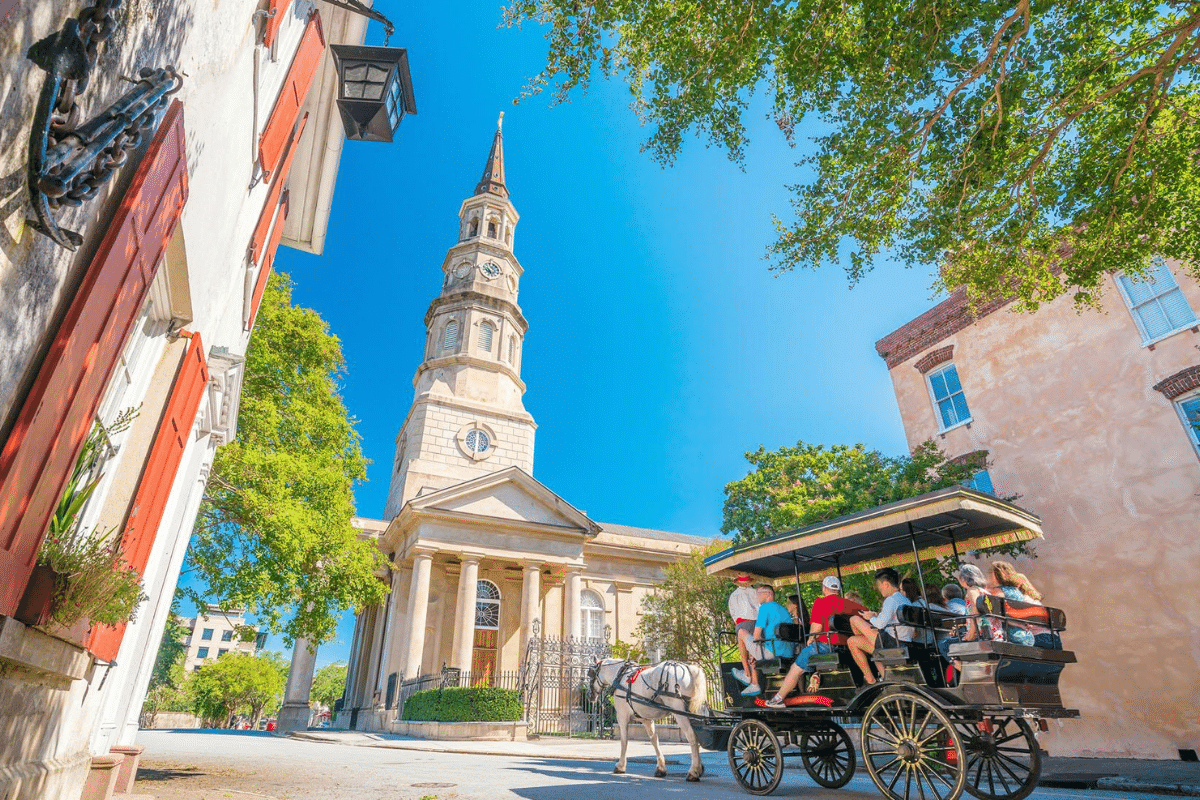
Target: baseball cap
{"points": [[743, 579], [831, 582]]}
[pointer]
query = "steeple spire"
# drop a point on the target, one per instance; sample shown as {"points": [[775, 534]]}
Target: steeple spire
{"points": [[492, 181]]}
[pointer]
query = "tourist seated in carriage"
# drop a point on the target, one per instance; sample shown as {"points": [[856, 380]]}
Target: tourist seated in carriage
{"points": [[1012, 585], [822, 638], [766, 644], [880, 630]]}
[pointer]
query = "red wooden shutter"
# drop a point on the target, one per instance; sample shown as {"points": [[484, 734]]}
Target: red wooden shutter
{"points": [[158, 476], [278, 181], [37, 459], [278, 131], [268, 262], [277, 10]]}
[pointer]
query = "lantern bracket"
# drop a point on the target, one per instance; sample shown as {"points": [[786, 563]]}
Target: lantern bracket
{"points": [[360, 8]]}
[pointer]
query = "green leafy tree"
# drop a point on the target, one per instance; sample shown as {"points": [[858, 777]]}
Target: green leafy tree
{"points": [[328, 684], [682, 620], [988, 140], [167, 680], [274, 533], [237, 683]]}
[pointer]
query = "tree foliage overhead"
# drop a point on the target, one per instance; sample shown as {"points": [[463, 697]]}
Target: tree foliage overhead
{"points": [[983, 139], [274, 533], [796, 486]]}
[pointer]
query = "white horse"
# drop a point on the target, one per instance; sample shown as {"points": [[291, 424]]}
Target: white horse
{"points": [[673, 684]]}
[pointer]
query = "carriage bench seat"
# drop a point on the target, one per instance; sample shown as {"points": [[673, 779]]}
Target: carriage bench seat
{"points": [[991, 651], [828, 662], [891, 656]]}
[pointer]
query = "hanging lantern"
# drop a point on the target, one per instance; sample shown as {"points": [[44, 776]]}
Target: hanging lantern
{"points": [[374, 90]]}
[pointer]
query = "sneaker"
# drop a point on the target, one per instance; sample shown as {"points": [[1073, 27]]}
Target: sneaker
{"points": [[814, 683], [751, 691], [776, 702], [740, 674]]}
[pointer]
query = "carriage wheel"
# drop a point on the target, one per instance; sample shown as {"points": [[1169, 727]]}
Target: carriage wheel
{"points": [[828, 756], [911, 749], [755, 757], [1004, 764]]}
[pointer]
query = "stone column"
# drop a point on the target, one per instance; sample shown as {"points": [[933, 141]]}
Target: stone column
{"points": [[531, 597], [418, 610], [572, 591], [464, 615], [294, 714]]}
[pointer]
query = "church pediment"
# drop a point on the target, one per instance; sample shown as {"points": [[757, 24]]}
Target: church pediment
{"points": [[511, 495]]}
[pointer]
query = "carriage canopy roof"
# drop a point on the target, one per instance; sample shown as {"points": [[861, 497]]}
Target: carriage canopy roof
{"points": [[940, 522]]}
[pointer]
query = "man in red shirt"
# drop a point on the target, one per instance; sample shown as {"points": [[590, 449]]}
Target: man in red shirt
{"points": [[820, 638]]}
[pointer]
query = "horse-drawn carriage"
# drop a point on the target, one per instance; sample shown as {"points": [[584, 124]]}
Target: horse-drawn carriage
{"points": [[931, 726]]}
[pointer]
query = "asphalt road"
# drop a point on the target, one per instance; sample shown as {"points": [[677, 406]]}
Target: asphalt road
{"points": [[220, 765]]}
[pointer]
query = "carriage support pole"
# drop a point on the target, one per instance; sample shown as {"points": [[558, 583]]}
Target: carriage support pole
{"points": [[912, 536], [801, 606]]}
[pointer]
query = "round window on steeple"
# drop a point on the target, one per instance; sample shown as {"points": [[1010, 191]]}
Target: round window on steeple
{"points": [[476, 440]]}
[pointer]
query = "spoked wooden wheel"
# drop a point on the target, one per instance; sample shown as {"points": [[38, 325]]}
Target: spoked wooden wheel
{"points": [[828, 756], [1003, 761], [911, 749], [755, 757]]}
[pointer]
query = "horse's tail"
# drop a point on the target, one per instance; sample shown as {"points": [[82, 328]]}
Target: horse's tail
{"points": [[698, 702]]}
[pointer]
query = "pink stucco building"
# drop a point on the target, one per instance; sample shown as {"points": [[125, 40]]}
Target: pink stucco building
{"points": [[1084, 416]]}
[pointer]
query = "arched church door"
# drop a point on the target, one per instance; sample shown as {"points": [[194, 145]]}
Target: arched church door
{"points": [[487, 629]]}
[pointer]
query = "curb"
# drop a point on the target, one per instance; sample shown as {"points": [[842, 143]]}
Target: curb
{"points": [[1134, 785]]}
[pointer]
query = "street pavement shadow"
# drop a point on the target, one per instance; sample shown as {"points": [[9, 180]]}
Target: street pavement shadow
{"points": [[148, 774]]}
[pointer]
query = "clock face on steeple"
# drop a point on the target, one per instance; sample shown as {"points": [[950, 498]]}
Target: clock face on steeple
{"points": [[490, 269], [462, 270]]}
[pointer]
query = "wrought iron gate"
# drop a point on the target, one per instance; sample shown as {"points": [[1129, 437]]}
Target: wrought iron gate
{"points": [[555, 686]]}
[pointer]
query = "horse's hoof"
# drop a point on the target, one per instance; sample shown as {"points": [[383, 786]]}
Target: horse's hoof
{"points": [[618, 770], [693, 778], [660, 773]]}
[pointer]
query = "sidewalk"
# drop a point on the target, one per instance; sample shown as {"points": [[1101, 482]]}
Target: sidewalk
{"points": [[1115, 774]]}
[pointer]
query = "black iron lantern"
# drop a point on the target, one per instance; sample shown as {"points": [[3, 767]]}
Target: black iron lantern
{"points": [[374, 90]]}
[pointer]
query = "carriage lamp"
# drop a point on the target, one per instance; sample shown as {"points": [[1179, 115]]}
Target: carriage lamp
{"points": [[374, 84]]}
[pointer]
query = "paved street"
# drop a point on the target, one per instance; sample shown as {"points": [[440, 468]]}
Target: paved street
{"points": [[218, 765]]}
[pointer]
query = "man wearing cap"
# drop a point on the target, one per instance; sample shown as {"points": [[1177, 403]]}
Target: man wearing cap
{"points": [[824, 607], [743, 608]]}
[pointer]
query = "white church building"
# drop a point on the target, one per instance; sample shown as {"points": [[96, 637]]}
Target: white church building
{"points": [[482, 549]]}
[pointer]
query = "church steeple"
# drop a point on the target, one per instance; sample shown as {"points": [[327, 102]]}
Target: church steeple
{"points": [[492, 181], [467, 416]]}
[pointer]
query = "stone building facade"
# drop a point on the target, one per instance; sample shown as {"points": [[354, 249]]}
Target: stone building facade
{"points": [[215, 633], [483, 550], [1086, 418], [150, 307]]}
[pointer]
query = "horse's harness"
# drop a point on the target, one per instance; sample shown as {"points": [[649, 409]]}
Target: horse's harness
{"points": [[632, 670]]}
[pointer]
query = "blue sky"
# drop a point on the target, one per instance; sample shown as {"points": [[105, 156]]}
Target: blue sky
{"points": [[660, 347]]}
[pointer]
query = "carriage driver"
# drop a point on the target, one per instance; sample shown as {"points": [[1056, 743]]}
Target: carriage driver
{"points": [[765, 644]]}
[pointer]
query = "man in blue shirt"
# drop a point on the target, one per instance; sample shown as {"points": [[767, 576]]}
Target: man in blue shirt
{"points": [[765, 644]]}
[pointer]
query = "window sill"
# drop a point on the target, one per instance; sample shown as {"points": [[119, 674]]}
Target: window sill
{"points": [[966, 423], [1149, 343]]}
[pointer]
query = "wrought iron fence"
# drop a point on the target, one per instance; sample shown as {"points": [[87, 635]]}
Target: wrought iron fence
{"points": [[555, 689]]}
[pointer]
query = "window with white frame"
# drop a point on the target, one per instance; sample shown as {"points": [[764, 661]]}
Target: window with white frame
{"points": [[948, 398], [591, 610], [981, 482], [1158, 306], [450, 335], [485, 336], [1189, 412], [487, 605]]}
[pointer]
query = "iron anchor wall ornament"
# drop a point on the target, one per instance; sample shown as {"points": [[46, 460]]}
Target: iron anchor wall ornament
{"points": [[69, 162]]}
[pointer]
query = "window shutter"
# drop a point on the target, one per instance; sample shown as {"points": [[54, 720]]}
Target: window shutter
{"points": [[259, 239], [277, 9], [485, 336], [264, 272], [57, 415], [278, 132], [450, 336], [158, 476]]}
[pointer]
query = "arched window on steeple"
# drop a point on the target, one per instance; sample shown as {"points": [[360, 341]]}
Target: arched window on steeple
{"points": [[512, 350], [474, 227], [485, 336], [492, 229], [450, 335]]}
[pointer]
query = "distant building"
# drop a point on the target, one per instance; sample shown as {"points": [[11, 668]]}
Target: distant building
{"points": [[1086, 418], [216, 633]]}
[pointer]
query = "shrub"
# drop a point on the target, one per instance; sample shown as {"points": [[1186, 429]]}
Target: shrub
{"points": [[465, 704]]}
